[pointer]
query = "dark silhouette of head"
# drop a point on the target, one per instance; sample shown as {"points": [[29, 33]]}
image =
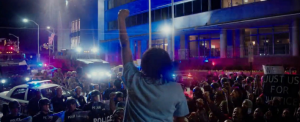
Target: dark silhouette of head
{"points": [[156, 63]]}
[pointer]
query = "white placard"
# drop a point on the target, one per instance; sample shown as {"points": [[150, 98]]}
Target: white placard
{"points": [[273, 69], [138, 62]]}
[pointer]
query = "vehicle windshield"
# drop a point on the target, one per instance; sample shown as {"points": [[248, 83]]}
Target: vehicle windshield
{"points": [[50, 92]]}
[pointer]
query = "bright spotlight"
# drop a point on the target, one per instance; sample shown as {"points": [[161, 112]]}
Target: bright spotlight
{"points": [[27, 79], [89, 76], [25, 20], [3, 81], [108, 74], [166, 29], [78, 49], [94, 50], [48, 27]]}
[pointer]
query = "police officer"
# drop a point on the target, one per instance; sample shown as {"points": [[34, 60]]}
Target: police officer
{"points": [[98, 111], [107, 92], [33, 102], [45, 114], [58, 102], [70, 115], [119, 87], [14, 115], [79, 98], [118, 114], [119, 97]]}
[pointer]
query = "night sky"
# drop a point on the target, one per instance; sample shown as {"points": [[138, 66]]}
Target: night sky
{"points": [[12, 13]]}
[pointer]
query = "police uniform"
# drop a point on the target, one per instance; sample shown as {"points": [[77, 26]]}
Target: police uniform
{"points": [[41, 117], [58, 103], [11, 118], [80, 100], [98, 112], [70, 116]]}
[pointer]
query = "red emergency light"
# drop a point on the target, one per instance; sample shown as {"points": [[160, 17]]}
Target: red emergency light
{"points": [[45, 65], [11, 48], [213, 63], [189, 75]]}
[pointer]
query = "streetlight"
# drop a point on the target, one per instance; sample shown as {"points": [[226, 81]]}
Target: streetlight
{"points": [[166, 29], [25, 20], [38, 37], [18, 40], [78, 49], [94, 50]]}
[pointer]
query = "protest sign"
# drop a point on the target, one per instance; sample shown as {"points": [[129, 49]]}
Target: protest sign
{"points": [[284, 86], [273, 70]]}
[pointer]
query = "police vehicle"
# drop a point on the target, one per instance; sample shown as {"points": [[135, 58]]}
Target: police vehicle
{"points": [[23, 93], [43, 67]]}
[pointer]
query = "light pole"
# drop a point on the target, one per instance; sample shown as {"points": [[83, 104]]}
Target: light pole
{"points": [[173, 33], [18, 40], [38, 37], [150, 28]]}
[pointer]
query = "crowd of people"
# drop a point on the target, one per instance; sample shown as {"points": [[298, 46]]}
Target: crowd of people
{"points": [[107, 106], [236, 98]]}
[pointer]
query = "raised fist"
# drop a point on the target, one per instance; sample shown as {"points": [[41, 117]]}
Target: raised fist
{"points": [[123, 13]]}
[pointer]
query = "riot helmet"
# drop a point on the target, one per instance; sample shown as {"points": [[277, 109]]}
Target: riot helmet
{"points": [[119, 97], [43, 101], [93, 94], [72, 103]]}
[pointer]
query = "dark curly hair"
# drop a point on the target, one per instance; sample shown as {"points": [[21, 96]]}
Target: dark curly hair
{"points": [[156, 63]]}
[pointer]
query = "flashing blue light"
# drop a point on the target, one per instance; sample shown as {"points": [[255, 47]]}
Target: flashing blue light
{"points": [[173, 75], [41, 64], [206, 60]]}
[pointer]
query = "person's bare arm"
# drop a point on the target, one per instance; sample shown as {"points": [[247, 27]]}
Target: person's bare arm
{"points": [[124, 41]]}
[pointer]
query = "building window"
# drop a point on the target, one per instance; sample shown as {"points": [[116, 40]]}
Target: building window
{"points": [[204, 5], [215, 4], [281, 43], [248, 1], [164, 13], [178, 10], [139, 19], [157, 15], [226, 3], [268, 40], [160, 43], [188, 6], [116, 3], [196, 6], [204, 46], [134, 20], [231, 3], [145, 17]]}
